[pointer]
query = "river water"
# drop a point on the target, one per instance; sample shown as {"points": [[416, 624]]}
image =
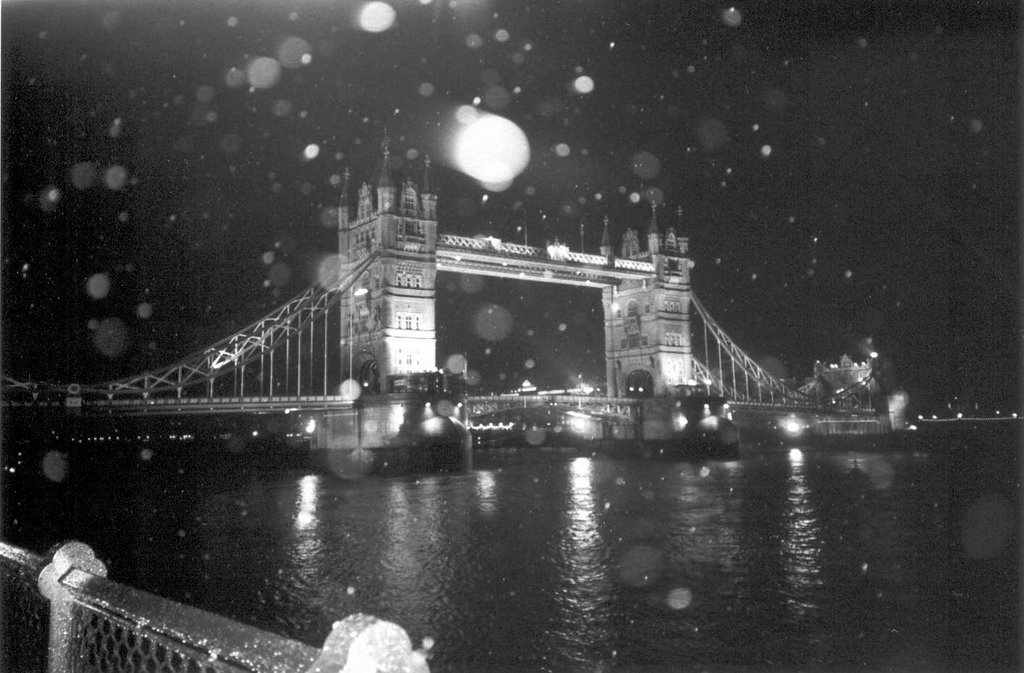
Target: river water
{"points": [[791, 558]]}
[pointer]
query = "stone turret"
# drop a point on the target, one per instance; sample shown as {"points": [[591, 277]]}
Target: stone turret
{"points": [[653, 233], [671, 244], [344, 203], [386, 189], [428, 198], [630, 244], [606, 240]]}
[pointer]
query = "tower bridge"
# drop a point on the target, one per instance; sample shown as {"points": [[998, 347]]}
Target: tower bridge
{"points": [[370, 321]]}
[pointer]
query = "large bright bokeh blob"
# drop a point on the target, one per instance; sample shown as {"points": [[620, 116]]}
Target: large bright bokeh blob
{"points": [[489, 148], [376, 17]]}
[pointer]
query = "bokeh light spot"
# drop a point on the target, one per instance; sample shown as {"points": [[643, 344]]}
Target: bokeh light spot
{"points": [[732, 17], [679, 599], [583, 84], [535, 436], [492, 322], [497, 97], [376, 17], [111, 337], [562, 150], [328, 271], [263, 72], [55, 465], [351, 389], [311, 152], [294, 52], [456, 363], [234, 78], [98, 285], [491, 149], [144, 310], [646, 166], [116, 177]]}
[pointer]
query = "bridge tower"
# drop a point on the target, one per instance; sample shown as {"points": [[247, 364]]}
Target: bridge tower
{"points": [[648, 349], [390, 308]]}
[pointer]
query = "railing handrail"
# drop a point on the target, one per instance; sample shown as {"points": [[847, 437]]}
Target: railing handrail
{"points": [[23, 559], [212, 636], [73, 581]]}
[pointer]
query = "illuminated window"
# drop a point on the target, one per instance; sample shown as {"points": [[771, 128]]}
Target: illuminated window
{"points": [[409, 321]]}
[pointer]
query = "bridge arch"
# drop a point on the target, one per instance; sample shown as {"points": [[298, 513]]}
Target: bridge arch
{"points": [[640, 383], [367, 372]]}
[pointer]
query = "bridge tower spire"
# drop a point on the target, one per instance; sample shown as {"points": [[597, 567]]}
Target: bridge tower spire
{"points": [[386, 182], [428, 196], [606, 240]]}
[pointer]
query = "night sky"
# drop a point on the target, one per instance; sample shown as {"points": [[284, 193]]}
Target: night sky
{"points": [[846, 171]]}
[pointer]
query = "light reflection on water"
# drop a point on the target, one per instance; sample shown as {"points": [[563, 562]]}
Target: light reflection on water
{"points": [[782, 559], [585, 561]]}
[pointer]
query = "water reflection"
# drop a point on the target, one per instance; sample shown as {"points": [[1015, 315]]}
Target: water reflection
{"points": [[584, 589], [485, 491], [802, 537], [309, 491], [415, 552], [587, 563]]}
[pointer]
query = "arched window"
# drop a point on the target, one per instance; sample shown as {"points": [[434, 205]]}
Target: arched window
{"points": [[632, 309]]}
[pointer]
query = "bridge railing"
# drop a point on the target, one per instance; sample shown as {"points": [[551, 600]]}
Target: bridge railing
{"points": [[561, 253], [63, 614]]}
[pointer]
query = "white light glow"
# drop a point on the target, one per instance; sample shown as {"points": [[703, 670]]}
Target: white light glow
{"points": [[376, 17], [791, 426], [490, 149]]}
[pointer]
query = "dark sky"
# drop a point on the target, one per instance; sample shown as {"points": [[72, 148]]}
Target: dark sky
{"points": [[846, 171]]}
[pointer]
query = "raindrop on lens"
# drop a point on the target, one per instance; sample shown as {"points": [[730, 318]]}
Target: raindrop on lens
{"points": [[98, 285], [732, 17], [376, 17], [116, 177], [111, 337], [583, 84], [679, 599], [55, 466], [263, 72]]}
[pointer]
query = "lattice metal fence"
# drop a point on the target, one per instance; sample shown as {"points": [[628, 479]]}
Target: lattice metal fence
{"points": [[24, 613], [61, 615]]}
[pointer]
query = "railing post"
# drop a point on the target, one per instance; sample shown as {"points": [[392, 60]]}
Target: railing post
{"points": [[364, 643], [70, 556]]}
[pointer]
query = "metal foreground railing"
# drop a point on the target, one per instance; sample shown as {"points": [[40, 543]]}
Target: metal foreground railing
{"points": [[62, 614]]}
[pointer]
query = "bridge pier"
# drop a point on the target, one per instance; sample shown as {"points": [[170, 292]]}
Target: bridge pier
{"points": [[391, 434]]}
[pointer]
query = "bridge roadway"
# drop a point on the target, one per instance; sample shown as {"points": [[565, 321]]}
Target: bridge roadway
{"points": [[623, 408]]}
